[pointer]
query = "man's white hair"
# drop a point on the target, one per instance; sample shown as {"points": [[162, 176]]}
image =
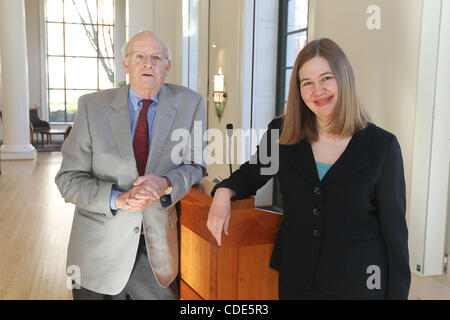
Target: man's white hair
{"points": [[126, 46]]}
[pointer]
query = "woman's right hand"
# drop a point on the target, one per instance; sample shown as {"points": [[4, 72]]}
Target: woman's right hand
{"points": [[219, 213]]}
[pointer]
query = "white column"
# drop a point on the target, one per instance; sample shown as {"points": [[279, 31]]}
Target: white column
{"points": [[13, 53]]}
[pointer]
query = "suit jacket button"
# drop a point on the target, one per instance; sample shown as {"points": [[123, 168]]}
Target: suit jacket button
{"points": [[316, 233], [316, 212], [317, 191], [136, 230]]}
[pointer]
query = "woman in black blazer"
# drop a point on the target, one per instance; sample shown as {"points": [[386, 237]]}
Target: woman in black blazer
{"points": [[343, 234]]}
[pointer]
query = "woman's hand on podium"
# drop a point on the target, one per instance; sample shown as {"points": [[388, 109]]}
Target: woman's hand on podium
{"points": [[219, 213]]}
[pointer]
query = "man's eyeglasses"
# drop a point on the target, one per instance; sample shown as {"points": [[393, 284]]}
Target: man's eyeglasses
{"points": [[139, 57]]}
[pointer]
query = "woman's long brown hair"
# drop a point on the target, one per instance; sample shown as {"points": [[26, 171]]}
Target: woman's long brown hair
{"points": [[347, 118]]}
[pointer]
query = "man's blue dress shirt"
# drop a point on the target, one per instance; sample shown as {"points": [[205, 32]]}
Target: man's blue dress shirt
{"points": [[134, 107]]}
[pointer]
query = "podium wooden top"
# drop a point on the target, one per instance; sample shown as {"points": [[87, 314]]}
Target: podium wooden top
{"points": [[248, 225], [205, 187]]}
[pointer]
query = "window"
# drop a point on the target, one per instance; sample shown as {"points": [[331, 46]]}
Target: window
{"points": [[292, 37], [293, 29], [80, 56]]}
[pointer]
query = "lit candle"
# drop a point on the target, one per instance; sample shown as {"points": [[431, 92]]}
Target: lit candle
{"points": [[219, 81]]}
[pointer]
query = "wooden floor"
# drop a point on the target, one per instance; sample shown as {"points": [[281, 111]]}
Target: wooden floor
{"points": [[35, 226]]}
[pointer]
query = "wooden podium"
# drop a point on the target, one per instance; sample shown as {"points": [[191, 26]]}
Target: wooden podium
{"points": [[239, 268]]}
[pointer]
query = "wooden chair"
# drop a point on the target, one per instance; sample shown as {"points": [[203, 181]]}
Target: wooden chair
{"points": [[37, 125]]}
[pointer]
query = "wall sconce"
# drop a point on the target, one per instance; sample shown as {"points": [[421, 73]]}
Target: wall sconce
{"points": [[220, 94]]}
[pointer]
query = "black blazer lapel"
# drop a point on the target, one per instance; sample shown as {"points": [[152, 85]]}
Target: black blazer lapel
{"points": [[307, 165], [355, 158]]}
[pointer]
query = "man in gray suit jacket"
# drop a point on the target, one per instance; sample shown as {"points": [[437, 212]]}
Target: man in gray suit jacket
{"points": [[117, 163]]}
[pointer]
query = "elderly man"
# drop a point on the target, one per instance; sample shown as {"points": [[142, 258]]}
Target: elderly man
{"points": [[116, 165]]}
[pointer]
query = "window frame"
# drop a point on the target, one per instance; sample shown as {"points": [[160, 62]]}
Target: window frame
{"points": [[280, 95], [282, 52]]}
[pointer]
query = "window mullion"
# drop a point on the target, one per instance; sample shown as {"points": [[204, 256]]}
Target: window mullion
{"points": [[65, 61]]}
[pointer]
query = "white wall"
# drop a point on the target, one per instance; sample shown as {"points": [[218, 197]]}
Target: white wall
{"points": [[164, 18]]}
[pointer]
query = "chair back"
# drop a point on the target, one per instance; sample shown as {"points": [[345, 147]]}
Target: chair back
{"points": [[36, 123], [34, 117]]}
